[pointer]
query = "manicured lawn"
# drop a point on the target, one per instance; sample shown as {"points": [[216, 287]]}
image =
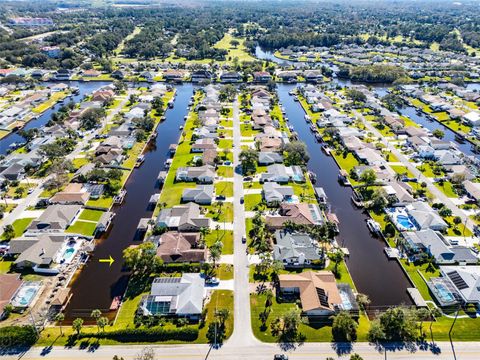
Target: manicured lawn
{"points": [[225, 144], [20, 225], [92, 215], [239, 52], [102, 202], [79, 162], [220, 299], [5, 266], [252, 200], [314, 332], [82, 227], [454, 230], [225, 237], [447, 188], [400, 169], [347, 162], [246, 130], [224, 272], [224, 188], [54, 98], [225, 171], [220, 214]]}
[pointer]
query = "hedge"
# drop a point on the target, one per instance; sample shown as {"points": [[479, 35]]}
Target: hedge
{"points": [[145, 335], [17, 336]]}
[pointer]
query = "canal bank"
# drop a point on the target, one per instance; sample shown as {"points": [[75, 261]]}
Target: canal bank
{"points": [[383, 280], [98, 283]]}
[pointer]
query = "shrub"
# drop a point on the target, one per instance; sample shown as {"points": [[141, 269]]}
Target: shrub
{"points": [[17, 336], [146, 335]]}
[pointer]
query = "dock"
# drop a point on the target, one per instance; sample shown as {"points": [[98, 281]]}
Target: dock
{"points": [[153, 199], [417, 297], [392, 253]]}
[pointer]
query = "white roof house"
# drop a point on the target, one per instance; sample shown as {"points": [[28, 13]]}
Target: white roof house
{"points": [[472, 118], [466, 280]]}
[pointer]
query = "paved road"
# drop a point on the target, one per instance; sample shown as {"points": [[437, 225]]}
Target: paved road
{"points": [[417, 173], [308, 351], [242, 334]]}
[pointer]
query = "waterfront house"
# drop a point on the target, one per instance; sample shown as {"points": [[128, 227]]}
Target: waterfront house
{"points": [[369, 156], [397, 194], [424, 217], [55, 218], [183, 218], [300, 214], [260, 119], [74, 193], [202, 194], [269, 158], [269, 144], [282, 174], [103, 95], [464, 281], [472, 189], [9, 285], [203, 144], [229, 77], [173, 75], [435, 245], [175, 296], [201, 174], [318, 291], [472, 118], [176, 247], [262, 76], [295, 249], [201, 75], [274, 193]]}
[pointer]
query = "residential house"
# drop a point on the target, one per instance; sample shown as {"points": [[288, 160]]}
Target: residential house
{"points": [[472, 189], [269, 158], [9, 285], [269, 144], [424, 217], [201, 145], [175, 296], [318, 292], [274, 193], [472, 118], [176, 247], [295, 249], [262, 76], [202, 194], [282, 174], [230, 77], [183, 218], [74, 193], [300, 214], [465, 282], [201, 174]]}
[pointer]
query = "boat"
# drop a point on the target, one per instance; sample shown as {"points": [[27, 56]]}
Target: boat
{"points": [[180, 127], [357, 200], [343, 177], [118, 199], [117, 300], [171, 103], [392, 253], [185, 118], [313, 128], [168, 163], [291, 92], [295, 98], [312, 176], [307, 118], [140, 161], [326, 150], [283, 110], [318, 137], [374, 227], [75, 90], [459, 138]]}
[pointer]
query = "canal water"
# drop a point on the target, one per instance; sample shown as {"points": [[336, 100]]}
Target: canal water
{"points": [[374, 274], [85, 88], [98, 283]]}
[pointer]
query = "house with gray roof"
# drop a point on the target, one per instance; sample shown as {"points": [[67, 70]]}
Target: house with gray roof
{"points": [[202, 194], [295, 249], [269, 158], [55, 218], [183, 218], [282, 174], [465, 280], [424, 217], [434, 244], [175, 296], [275, 193], [201, 174]]}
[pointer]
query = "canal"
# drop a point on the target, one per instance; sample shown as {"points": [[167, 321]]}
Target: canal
{"points": [[98, 283], [374, 274], [85, 88]]}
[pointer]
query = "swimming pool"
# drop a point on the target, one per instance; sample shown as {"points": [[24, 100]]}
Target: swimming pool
{"points": [[347, 304], [405, 222], [443, 293], [26, 294], [69, 253]]}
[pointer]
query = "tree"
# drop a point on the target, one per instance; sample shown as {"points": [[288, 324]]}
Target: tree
{"points": [[439, 134], [296, 153], [215, 252], [395, 324], [248, 158], [204, 231], [234, 43], [363, 300], [90, 119], [285, 326], [8, 232], [379, 199], [368, 177], [337, 258], [457, 220], [344, 327], [77, 325], [59, 319], [356, 96], [102, 322], [142, 259], [355, 357]]}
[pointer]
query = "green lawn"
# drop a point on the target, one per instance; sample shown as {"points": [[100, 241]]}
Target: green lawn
{"points": [[447, 188], [314, 332], [102, 202], [400, 169], [225, 171], [220, 214], [20, 225], [252, 200], [82, 227], [5, 266], [224, 272], [226, 237], [92, 215], [220, 299], [239, 52], [225, 144], [224, 188], [347, 162]]}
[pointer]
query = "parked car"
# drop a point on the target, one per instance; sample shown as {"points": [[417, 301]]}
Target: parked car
{"points": [[280, 357], [212, 281], [244, 239], [220, 197], [242, 200], [247, 178]]}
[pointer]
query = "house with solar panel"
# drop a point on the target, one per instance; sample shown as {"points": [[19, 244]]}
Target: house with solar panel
{"points": [[175, 296]]}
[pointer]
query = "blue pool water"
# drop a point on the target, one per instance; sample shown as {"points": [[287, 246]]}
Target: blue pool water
{"points": [[68, 253], [405, 222], [26, 295], [444, 293]]}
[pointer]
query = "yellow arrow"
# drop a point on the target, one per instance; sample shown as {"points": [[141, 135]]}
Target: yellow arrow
{"points": [[109, 260]]}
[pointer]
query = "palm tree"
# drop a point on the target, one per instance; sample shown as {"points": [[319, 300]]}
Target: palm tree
{"points": [[215, 252], [204, 231], [59, 318], [102, 322]]}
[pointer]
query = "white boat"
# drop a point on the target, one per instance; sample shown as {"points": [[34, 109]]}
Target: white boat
{"points": [[180, 127], [140, 160], [374, 227], [326, 150]]}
